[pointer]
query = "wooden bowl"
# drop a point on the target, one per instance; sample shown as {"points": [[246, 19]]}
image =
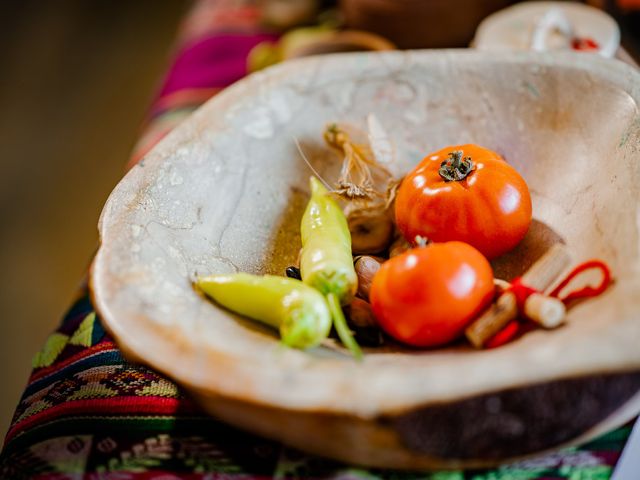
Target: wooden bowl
{"points": [[225, 191]]}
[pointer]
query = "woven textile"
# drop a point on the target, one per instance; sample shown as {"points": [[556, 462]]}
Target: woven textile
{"points": [[88, 413]]}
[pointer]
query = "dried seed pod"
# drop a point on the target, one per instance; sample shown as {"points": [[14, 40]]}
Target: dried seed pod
{"points": [[366, 267], [364, 324], [371, 230], [361, 314], [366, 186], [398, 246]]}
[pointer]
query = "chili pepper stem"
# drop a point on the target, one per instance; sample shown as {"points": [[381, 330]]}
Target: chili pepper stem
{"points": [[340, 323]]}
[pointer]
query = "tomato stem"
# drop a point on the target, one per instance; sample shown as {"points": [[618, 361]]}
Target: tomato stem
{"points": [[421, 241], [455, 168]]}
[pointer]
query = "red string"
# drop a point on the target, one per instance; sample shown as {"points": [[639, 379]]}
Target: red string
{"points": [[504, 336], [587, 291], [585, 43], [522, 292]]}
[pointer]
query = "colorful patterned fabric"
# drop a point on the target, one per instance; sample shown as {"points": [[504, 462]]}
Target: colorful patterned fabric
{"points": [[214, 43], [89, 413]]}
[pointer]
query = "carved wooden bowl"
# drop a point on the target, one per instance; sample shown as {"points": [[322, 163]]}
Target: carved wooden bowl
{"points": [[226, 190]]}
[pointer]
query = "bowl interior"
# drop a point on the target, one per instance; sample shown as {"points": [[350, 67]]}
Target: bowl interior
{"points": [[225, 192]]}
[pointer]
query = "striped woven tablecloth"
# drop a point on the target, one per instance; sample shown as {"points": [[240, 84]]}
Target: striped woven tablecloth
{"points": [[88, 413]]}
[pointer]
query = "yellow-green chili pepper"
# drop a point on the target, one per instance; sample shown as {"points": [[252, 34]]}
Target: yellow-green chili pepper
{"points": [[326, 262], [300, 312]]}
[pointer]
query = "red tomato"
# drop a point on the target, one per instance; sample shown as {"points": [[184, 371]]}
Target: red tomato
{"points": [[487, 205], [428, 295]]}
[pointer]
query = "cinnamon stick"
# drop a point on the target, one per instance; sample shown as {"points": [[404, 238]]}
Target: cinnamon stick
{"points": [[494, 319], [548, 312], [544, 272], [542, 309]]}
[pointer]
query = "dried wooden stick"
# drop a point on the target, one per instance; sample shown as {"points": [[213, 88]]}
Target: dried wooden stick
{"points": [[548, 312], [544, 310], [501, 285], [494, 319], [544, 272]]}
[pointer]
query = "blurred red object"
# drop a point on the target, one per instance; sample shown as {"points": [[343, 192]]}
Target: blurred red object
{"points": [[629, 4], [420, 23], [584, 44]]}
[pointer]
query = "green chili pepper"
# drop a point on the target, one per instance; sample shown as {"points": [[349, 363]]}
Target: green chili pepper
{"points": [[297, 310], [326, 262]]}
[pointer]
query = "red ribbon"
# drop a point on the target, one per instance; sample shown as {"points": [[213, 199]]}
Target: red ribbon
{"points": [[505, 335], [522, 292], [587, 291]]}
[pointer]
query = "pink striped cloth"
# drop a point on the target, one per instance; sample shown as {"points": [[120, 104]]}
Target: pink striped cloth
{"points": [[211, 54]]}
